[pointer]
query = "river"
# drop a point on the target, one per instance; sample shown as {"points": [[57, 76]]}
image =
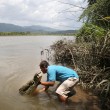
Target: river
{"points": [[19, 60]]}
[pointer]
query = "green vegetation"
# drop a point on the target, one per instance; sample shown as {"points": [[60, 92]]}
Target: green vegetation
{"points": [[90, 33], [14, 33], [91, 61], [35, 34], [90, 54], [98, 13]]}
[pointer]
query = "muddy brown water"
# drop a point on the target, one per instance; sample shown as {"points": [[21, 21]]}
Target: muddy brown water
{"points": [[19, 60]]}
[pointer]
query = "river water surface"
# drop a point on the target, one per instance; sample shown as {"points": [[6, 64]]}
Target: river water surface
{"points": [[19, 60]]}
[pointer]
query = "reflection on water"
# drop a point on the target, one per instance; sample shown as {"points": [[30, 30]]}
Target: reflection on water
{"points": [[19, 60]]}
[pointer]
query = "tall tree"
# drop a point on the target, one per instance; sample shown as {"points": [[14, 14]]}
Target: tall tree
{"points": [[98, 13]]}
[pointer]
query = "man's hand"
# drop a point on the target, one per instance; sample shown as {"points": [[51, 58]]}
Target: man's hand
{"points": [[44, 89], [37, 91]]}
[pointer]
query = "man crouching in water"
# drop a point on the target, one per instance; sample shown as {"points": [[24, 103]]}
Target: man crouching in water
{"points": [[67, 77]]}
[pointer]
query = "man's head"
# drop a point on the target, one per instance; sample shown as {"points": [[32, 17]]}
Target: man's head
{"points": [[43, 66]]}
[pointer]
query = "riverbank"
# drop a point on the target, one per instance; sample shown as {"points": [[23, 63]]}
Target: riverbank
{"points": [[91, 61], [84, 100]]}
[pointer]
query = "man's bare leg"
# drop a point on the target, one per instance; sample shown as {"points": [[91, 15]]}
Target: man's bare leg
{"points": [[62, 99]]}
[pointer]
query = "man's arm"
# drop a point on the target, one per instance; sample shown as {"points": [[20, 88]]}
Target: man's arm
{"points": [[48, 83]]}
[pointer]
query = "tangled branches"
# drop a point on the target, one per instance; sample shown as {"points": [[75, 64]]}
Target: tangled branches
{"points": [[62, 53], [92, 61]]}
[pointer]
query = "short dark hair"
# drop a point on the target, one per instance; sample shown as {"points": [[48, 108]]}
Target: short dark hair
{"points": [[44, 64]]}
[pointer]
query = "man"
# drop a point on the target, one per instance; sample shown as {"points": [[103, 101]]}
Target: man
{"points": [[67, 77]]}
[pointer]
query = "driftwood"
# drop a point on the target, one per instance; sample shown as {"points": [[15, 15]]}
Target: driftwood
{"points": [[30, 86]]}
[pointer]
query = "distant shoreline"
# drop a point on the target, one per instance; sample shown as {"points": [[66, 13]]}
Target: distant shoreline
{"points": [[33, 34]]}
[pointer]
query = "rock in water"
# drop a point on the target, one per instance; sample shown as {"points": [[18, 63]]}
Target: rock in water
{"points": [[30, 86]]}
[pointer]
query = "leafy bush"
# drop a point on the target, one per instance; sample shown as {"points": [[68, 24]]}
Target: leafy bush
{"points": [[90, 33]]}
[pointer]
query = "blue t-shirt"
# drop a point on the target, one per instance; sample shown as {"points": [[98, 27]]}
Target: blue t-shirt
{"points": [[60, 73]]}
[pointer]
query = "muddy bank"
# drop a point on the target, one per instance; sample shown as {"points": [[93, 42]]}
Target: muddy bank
{"points": [[83, 100]]}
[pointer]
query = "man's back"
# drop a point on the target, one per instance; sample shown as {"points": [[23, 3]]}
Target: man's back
{"points": [[60, 73]]}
